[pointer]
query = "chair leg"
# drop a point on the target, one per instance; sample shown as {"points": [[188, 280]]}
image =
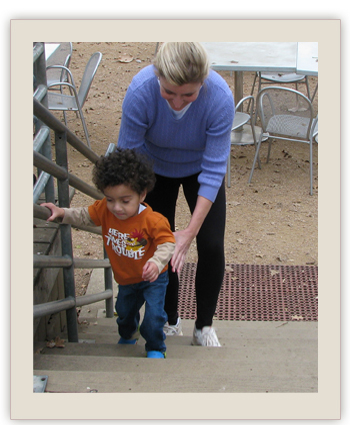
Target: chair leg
{"points": [[252, 92], [313, 96], [156, 50], [311, 177], [306, 82], [307, 87], [84, 126], [256, 156], [64, 112], [259, 87], [254, 138]]}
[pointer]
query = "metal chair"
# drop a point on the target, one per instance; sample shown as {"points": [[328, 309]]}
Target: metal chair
{"points": [[240, 119], [280, 78], [280, 121], [75, 102], [156, 50], [62, 56]]}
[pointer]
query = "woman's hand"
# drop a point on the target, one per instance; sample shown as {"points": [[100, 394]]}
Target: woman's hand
{"points": [[56, 212], [183, 239], [150, 271]]}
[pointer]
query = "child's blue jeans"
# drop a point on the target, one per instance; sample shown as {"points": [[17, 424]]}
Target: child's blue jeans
{"points": [[129, 301]]}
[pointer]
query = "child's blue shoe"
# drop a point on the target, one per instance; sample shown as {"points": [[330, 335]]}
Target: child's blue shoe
{"points": [[127, 341], [133, 340], [155, 355]]}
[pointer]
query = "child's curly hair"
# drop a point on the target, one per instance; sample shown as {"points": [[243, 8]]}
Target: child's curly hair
{"points": [[124, 166]]}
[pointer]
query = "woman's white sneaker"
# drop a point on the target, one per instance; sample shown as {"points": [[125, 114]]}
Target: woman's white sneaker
{"points": [[173, 330], [205, 337]]}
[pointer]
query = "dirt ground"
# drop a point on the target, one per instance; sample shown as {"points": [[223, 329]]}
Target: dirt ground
{"points": [[273, 220]]}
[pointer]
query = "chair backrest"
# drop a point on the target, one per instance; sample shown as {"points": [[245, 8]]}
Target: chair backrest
{"points": [[62, 56], [285, 111], [88, 76]]}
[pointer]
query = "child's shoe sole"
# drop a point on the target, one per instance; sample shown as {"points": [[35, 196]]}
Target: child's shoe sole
{"points": [[155, 355], [127, 341]]}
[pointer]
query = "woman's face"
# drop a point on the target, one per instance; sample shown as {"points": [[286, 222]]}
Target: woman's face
{"points": [[179, 96]]}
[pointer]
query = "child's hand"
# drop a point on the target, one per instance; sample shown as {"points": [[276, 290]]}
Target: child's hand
{"points": [[150, 271], [56, 212]]}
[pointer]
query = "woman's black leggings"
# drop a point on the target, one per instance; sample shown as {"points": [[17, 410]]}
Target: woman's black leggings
{"points": [[210, 245]]}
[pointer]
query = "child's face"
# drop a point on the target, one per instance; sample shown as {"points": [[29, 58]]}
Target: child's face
{"points": [[122, 201]]}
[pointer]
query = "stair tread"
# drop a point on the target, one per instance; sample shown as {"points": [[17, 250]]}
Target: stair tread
{"points": [[254, 357], [228, 332], [106, 325], [107, 357], [203, 379], [127, 357]]}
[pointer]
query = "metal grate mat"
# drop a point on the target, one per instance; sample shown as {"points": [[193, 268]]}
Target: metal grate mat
{"points": [[257, 293]]}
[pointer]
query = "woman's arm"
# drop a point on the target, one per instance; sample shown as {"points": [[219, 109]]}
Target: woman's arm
{"points": [[217, 149], [185, 237], [135, 122]]}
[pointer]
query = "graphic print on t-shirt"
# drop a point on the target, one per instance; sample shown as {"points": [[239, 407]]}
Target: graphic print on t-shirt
{"points": [[129, 245], [135, 241]]}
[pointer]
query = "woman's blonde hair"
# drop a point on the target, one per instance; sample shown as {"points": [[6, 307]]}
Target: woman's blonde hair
{"points": [[182, 63]]}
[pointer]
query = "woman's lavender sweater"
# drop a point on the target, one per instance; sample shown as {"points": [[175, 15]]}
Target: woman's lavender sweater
{"points": [[199, 142]]}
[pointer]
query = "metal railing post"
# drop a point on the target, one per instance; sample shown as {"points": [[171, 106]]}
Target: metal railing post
{"points": [[108, 285], [108, 272], [40, 79], [66, 236]]}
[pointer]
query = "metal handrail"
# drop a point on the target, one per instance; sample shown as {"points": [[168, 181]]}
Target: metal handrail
{"points": [[41, 261], [44, 115], [55, 170], [49, 169], [43, 213]]}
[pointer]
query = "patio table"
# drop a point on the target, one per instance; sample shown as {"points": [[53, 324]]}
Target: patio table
{"points": [[50, 48], [307, 59], [263, 57], [251, 56]]}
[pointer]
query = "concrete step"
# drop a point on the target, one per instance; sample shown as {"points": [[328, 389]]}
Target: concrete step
{"points": [[255, 356], [82, 356], [194, 369], [175, 377], [106, 330]]}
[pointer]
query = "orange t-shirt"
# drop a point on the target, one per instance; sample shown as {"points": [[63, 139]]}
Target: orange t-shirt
{"points": [[130, 243]]}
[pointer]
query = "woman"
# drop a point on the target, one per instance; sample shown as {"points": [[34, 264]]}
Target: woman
{"points": [[179, 113]]}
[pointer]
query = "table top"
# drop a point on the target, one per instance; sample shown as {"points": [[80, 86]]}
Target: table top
{"points": [[286, 57], [49, 49], [252, 56], [307, 58]]}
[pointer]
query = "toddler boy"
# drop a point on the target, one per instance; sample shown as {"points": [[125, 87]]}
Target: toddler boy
{"points": [[138, 241]]}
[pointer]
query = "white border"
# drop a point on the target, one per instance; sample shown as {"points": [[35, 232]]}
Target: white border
{"points": [[324, 404]]}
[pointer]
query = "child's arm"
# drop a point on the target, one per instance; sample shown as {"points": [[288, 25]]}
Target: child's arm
{"points": [[56, 212], [150, 272], [76, 216], [160, 259]]}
